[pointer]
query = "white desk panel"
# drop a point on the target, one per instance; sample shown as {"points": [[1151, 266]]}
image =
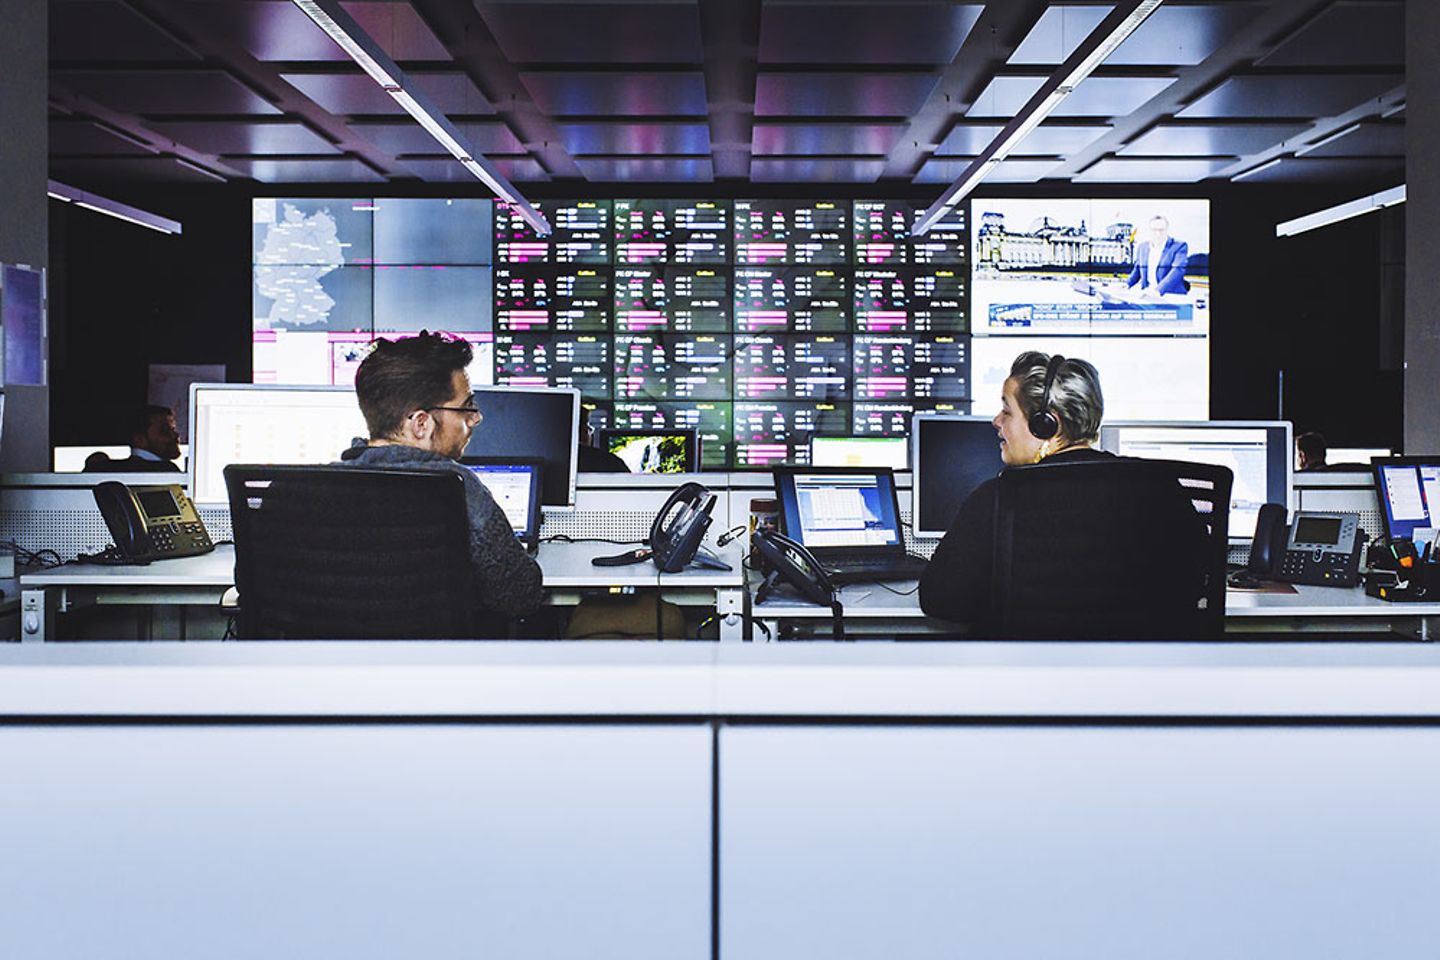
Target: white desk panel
{"points": [[1122, 843], [363, 841]]}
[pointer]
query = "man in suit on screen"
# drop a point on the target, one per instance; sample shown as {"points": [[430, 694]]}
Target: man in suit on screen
{"points": [[1160, 261]]}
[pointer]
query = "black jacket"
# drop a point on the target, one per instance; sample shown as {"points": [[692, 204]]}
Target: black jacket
{"points": [[956, 585]]}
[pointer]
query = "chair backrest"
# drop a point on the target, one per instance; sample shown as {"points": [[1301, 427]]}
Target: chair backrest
{"points": [[1116, 549], [347, 553]]}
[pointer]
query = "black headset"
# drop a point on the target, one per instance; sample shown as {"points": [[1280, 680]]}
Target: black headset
{"points": [[1043, 423]]}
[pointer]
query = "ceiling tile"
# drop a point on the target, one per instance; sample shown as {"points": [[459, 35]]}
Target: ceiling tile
{"points": [[279, 30], [1346, 34], [152, 92], [84, 137], [81, 172], [355, 93], [1180, 36], [1210, 139], [1095, 97], [1164, 170], [612, 94], [407, 136], [1009, 171], [596, 32], [1370, 140], [448, 170], [893, 32], [110, 31], [305, 170], [851, 139], [251, 138], [816, 170], [657, 170], [842, 95], [1334, 169], [1059, 140], [583, 139], [1291, 95]]}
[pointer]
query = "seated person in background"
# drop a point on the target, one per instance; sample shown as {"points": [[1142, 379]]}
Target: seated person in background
{"points": [[593, 459], [956, 584], [1310, 450], [420, 411], [154, 445]]}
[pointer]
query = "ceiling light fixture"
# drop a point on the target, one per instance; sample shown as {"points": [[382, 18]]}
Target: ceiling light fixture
{"points": [[1343, 211], [330, 17], [111, 208], [1102, 41]]}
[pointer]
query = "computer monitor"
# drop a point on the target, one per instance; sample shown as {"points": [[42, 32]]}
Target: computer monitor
{"points": [[827, 508], [1258, 452], [516, 486], [953, 455], [653, 451], [1409, 492], [261, 423], [532, 423], [892, 452]]}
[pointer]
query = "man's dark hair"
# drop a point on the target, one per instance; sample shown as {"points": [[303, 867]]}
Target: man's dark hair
{"points": [[402, 376], [141, 416], [1312, 445]]}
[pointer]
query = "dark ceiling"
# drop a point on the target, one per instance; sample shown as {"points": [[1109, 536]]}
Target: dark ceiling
{"points": [[695, 91]]}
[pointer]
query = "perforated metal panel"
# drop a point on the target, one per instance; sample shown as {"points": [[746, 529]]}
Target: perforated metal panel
{"points": [[602, 524]]}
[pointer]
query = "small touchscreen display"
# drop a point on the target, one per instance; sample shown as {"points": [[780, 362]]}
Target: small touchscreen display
{"points": [[158, 504], [1319, 530]]}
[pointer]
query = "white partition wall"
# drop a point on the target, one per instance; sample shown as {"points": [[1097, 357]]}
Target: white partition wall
{"points": [[355, 841], [1132, 842]]}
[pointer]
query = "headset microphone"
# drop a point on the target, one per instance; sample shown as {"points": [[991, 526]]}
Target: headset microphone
{"points": [[1044, 424]]}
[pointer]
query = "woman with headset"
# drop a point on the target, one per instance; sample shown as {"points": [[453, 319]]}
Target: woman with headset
{"points": [[1050, 411]]}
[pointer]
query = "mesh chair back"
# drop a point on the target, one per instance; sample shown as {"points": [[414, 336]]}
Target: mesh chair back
{"points": [[1111, 550], [346, 553]]}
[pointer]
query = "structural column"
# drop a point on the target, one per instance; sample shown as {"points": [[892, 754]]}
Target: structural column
{"points": [[24, 214], [1422, 227]]}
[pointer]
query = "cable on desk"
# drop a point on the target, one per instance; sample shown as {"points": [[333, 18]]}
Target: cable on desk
{"points": [[899, 593], [41, 558], [566, 538]]}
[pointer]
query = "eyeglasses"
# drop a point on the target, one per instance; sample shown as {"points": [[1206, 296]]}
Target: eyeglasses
{"points": [[469, 411]]}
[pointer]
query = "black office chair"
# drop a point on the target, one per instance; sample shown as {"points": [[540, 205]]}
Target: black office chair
{"points": [[1111, 550], [345, 553]]}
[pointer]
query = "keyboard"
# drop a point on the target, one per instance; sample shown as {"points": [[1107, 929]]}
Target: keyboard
{"points": [[854, 570]]}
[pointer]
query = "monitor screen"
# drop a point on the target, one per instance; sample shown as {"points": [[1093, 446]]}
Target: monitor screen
{"points": [[892, 452], [953, 455], [839, 509], [255, 423], [539, 423], [515, 487], [1409, 493], [653, 451], [1258, 453]]}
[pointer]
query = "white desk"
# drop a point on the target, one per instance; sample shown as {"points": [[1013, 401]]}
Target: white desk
{"points": [[1308, 610], [203, 580]]}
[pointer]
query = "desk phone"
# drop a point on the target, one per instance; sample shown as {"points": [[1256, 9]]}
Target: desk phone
{"points": [[151, 522], [1323, 549]]}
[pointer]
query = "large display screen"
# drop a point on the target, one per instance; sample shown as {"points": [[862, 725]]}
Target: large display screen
{"points": [[760, 323]]}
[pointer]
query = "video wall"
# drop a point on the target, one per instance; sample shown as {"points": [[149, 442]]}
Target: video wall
{"points": [[761, 323]]}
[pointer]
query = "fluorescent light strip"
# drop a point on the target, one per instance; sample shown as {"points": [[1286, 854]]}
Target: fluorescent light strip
{"points": [[111, 208], [1081, 63], [1260, 169], [1343, 211], [1311, 147], [330, 17]]}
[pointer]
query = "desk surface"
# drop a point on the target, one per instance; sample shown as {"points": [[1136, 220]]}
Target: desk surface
{"points": [[566, 565], [902, 601]]}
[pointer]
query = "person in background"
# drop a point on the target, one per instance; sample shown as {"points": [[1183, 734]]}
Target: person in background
{"points": [[154, 445], [420, 411], [957, 583], [1310, 451], [1160, 261], [593, 459]]}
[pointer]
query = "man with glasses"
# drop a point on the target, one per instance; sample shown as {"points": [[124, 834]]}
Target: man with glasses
{"points": [[419, 409]]}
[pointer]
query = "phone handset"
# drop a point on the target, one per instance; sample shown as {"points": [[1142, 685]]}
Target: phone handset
{"points": [[679, 528], [781, 558]]}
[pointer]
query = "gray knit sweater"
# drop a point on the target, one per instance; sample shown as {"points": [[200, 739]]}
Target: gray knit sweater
{"points": [[509, 581]]}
